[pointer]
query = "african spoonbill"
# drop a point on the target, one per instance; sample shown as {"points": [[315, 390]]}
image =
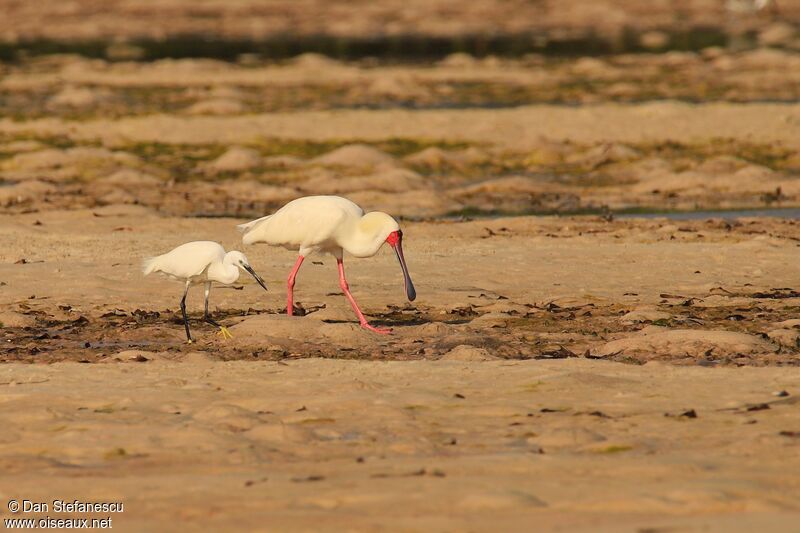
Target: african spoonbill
{"points": [[334, 225]]}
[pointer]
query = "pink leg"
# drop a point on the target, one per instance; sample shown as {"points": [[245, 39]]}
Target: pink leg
{"points": [[290, 286], [346, 288]]}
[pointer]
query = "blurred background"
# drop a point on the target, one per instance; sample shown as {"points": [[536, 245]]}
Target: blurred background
{"points": [[388, 29], [206, 108]]}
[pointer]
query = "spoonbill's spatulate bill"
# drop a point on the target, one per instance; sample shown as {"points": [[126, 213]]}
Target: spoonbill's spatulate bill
{"points": [[201, 262], [329, 224]]}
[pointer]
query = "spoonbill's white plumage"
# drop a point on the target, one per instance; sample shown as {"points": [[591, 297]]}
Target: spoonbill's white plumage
{"points": [[750, 6], [201, 262], [334, 225]]}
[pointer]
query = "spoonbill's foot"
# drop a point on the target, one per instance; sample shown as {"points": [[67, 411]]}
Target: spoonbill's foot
{"points": [[296, 310], [382, 331], [223, 331]]}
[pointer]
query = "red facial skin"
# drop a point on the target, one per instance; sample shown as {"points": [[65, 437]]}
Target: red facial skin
{"points": [[395, 240]]}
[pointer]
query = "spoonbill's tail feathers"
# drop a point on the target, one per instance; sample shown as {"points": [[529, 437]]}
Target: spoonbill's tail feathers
{"points": [[244, 228], [149, 265]]}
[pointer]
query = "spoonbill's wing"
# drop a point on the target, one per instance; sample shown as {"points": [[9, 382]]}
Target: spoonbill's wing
{"points": [[305, 222]]}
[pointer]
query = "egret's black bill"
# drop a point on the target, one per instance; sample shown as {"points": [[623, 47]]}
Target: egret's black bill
{"points": [[411, 293], [256, 276]]}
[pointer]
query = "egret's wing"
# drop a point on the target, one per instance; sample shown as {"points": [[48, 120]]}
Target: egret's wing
{"points": [[188, 260]]}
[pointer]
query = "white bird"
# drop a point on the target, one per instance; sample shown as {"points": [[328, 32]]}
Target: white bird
{"points": [[201, 262], [750, 6], [329, 224]]}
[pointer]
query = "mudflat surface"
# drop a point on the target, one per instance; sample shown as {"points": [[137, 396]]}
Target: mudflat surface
{"points": [[709, 291]]}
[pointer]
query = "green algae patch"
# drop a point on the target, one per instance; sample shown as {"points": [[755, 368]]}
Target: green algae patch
{"points": [[613, 449]]}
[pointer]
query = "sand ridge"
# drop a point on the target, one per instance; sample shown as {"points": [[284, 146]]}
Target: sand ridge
{"points": [[519, 127]]}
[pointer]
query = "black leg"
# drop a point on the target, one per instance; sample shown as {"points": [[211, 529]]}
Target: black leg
{"points": [[211, 321], [207, 317], [183, 311]]}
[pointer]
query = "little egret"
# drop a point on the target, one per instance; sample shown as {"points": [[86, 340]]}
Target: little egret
{"points": [[329, 224], [201, 262]]}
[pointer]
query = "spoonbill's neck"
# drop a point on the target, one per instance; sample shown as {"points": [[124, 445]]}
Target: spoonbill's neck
{"points": [[361, 244], [364, 237]]}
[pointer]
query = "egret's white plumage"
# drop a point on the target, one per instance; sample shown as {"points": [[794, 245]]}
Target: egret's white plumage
{"points": [[329, 224], [200, 262]]}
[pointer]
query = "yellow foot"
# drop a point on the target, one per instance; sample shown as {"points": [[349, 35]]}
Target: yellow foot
{"points": [[225, 333]]}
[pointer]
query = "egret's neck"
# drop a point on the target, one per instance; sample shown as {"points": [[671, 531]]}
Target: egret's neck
{"points": [[224, 273]]}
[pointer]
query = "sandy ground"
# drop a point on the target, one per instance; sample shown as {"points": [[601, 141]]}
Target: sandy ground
{"points": [[407, 446], [564, 372], [510, 413]]}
